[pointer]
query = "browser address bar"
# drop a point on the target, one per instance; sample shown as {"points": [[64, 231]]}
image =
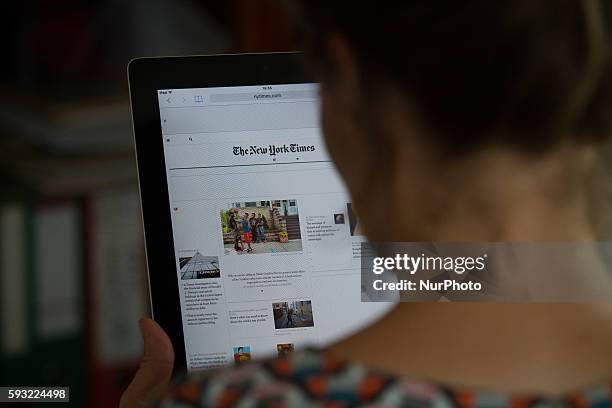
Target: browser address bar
{"points": [[264, 96]]}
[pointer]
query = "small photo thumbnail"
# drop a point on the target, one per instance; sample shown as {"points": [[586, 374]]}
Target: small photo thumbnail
{"points": [[338, 218], [242, 354], [294, 314], [199, 266], [285, 349]]}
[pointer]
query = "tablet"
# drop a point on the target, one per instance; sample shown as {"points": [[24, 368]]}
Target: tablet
{"points": [[252, 245]]}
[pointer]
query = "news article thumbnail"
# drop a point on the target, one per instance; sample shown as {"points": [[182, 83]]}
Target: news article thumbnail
{"points": [[199, 266], [288, 315], [261, 227], [285, 349], [338, 219], [242, 354]]}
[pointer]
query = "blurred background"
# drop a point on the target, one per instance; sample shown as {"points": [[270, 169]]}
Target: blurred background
{"points": [[72, 268]]}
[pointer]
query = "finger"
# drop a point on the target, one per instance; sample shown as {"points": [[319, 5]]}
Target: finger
{"points": [[155, 369]]}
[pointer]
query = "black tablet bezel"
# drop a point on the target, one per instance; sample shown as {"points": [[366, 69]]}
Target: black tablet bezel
{"points": [[146, 76]]}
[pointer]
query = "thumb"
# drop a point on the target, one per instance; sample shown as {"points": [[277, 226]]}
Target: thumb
{"points": [[155, 369]]}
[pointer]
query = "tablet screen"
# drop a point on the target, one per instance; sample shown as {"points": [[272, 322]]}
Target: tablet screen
{"points": [[266, 242]]}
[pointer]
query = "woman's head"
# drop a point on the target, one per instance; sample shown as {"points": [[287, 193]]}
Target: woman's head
{"points": [[417, 94]]}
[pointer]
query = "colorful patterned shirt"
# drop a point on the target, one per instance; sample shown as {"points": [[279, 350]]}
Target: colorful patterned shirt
{"points": [[312, 379]]}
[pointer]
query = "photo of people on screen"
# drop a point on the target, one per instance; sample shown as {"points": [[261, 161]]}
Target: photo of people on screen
{"points": [[259, 227], [199, 266], [242, 354], [292, 314]]}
